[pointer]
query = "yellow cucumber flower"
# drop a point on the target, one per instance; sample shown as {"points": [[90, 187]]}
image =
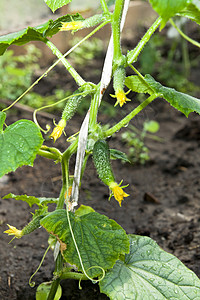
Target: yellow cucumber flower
{"points": [[118, 192], [121, 97], [71, 25], [58, 130], [14, 231]]}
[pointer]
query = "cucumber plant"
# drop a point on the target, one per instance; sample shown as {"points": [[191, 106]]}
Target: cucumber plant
{"points": [[95, 247]]}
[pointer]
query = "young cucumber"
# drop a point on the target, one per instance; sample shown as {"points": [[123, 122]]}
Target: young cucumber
{"points": [[32, 225], [74, 101], [119, 79], [101, 158], [72, 105]]}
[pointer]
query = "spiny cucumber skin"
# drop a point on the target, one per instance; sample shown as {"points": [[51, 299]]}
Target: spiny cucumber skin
{"points": [[71, 107], [92, 21], [101, 158], [32, 225], [74, 101], [119, 78]]}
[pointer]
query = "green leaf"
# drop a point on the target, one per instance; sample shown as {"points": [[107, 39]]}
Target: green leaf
{"points": [[20, 38], [116, 154], [136, 84], [83, 210], [38, 33], [192, 11], [43, 291], [168, 9], [31, 199], [55, 4], [19, 144], [183, 102], [99, 239], [2, 120], [149, 273]]}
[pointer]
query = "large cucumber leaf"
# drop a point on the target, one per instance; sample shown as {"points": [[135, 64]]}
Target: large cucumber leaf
{"points": [[183, 102], [31, 199], [38, 33], [100, 240], [168, 9], [55, 4], [19, 144], [149, 273], [192, 11], [2, 120]]}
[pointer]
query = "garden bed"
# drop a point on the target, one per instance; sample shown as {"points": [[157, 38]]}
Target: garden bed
{"points": [[164, 201]]}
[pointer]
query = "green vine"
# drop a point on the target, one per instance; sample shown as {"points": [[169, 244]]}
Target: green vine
{"points": [[111, 248]]}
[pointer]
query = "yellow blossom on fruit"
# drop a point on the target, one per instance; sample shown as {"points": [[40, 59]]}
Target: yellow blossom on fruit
{"points": [[71, 25], [14, 231], [58, 130], [121, 97], [118, 192]]}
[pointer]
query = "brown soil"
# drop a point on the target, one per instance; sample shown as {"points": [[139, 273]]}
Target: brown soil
{"points": [[164, 201]]}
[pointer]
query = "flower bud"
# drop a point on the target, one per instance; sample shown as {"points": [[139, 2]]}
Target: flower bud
{"points": [[75, 25], [58, 130]]}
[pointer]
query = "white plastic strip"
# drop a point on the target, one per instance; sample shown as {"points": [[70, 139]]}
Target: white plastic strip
{"points": [[105, 80], [82, 142]]}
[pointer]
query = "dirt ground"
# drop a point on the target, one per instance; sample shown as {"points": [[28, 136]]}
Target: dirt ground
{"points": [[164, 200]]}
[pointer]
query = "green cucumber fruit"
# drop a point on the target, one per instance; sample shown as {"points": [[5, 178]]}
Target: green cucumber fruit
{"points": [[119, 78], [101, 158], [73, 104], [32, 225]]}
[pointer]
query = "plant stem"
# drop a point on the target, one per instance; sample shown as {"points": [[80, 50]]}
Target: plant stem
{"points": [[132, 55], [55, 283], [56, 62], [116, 20], [137, 72], [104, 6], [71, 149], [79, 80], [50, 152], [141, 77], [59, 259], [64, 164], [47, 154], [53, 289], [127, 119], [24, 93], [195, 43], [73, 275]]}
